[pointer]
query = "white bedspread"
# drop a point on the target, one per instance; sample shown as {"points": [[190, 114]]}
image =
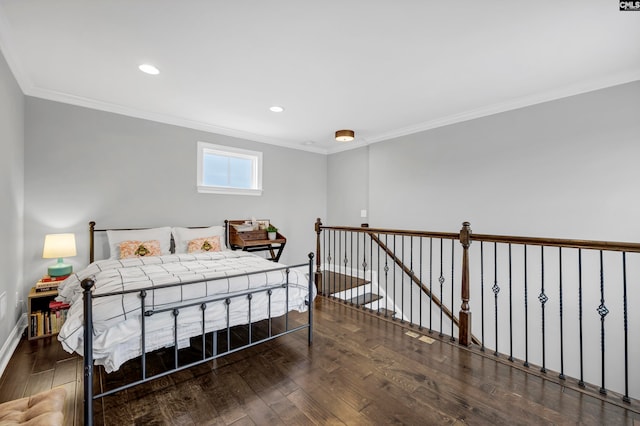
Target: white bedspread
{"points": [[117, 319]]}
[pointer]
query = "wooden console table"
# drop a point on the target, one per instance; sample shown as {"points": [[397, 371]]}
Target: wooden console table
{"points": [[254, 240]]}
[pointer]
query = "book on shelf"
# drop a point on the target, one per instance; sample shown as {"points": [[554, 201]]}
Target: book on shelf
{"points": [[54, 305]]}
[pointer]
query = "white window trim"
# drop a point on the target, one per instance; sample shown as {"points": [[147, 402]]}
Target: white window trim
{"points": [[255, 156]]}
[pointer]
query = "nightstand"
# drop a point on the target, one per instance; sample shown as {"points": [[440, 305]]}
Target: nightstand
{"points": [[44, 320]]}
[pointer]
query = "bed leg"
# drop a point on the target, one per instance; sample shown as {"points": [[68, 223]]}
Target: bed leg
{"points": [[87, 284], [311, 288]]}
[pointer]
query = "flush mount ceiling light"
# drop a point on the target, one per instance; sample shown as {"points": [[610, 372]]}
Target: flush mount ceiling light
{"points": [[276, 108], [149, 69], [345, 135]]}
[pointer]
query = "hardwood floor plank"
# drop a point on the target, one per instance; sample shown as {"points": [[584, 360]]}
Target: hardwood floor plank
{"points": [[65, 372], [360, 369]]}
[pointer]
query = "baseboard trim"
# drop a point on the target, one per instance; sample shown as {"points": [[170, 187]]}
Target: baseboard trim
{"points": [[12, 342]]}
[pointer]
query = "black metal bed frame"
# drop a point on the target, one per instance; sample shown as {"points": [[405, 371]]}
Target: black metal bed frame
{"points": [[88, 297]]}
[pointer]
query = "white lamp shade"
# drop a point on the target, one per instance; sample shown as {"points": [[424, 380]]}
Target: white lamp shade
{"points": [[59, 245]]}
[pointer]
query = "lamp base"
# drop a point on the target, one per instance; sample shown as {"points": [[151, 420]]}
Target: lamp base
{"points": [[59, 269]]}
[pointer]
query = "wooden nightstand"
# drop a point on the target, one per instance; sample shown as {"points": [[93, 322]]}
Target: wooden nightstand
{"points": [[43, 321]]}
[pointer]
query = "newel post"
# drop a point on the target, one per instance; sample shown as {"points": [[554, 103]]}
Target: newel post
{"points": [[318, 255], [464, 327]]}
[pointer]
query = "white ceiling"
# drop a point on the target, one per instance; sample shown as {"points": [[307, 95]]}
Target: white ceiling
{"points": [[381, 68]]}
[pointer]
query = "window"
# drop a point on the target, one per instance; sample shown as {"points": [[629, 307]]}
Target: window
{"points": [[227, 170]]}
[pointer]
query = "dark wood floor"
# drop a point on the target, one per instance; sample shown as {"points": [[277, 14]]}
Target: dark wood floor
{"points": [[359, 370]]}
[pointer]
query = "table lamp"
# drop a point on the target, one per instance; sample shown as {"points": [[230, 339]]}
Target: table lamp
{"points": [[59, 246]]}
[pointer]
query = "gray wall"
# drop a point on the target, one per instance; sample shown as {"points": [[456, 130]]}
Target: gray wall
{"points": [[12, 193], [348, 187], [567, 168], [83, 164]]}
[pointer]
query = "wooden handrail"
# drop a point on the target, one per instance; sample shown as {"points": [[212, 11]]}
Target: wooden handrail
{"points": [[538, 241], [560, 242]]}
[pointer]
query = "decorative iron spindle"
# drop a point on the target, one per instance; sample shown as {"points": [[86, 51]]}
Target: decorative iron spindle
{"points": [[386, 278], [561, 375], [441, 280], [496, 291], [543, 300], [602, 311]]}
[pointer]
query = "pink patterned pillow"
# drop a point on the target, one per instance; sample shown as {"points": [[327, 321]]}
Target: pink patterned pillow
{"points": [[139, 249], [205, 244]]}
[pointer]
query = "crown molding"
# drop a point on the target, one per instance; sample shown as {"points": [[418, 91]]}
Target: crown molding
{"points": [[165, 119], [565, 92]]}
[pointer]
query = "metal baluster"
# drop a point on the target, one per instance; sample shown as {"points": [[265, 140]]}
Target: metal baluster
{"points": [[357, 272], [378, 270], [351, 273], [482, 292], [526, 312], [441, 280], [420, 325], [510, 308], [386, 277], [543, 299], [394, 282], [332, 267], [411, 285], [364, 271], [602, 311], [402, 283], [581, 382], [453, 246], [496, 290], [561, 375], [430, 285], [625, 398]]}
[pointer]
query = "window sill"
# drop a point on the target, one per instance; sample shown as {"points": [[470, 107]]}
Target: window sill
{"points": [[228, 191]]}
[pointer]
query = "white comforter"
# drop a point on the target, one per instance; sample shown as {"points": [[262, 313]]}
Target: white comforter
{"points": [[117, 321]]}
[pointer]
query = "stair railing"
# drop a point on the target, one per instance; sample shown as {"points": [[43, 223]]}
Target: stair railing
{"points": [[566, 306]]}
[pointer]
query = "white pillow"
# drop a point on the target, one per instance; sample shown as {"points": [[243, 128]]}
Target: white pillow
{"points": [[163, 235], [182, 236]]}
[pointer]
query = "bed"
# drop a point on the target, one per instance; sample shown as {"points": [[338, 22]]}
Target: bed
{"points": [[159, 293]]}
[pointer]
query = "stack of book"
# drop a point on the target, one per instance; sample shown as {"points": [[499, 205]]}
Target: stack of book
{"points": [[48, 283], [51, 321]]}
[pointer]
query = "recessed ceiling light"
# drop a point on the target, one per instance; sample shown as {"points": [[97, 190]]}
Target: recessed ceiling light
{"points": [[149, 69], [276, 108]]}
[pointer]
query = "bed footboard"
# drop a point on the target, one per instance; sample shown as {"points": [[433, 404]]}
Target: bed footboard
{"points": [[228, 299]]}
